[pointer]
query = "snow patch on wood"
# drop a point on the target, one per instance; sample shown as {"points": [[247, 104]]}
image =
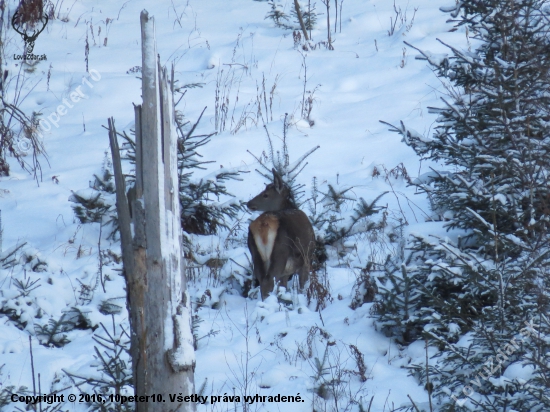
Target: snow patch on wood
{"points": [[182, 356]]}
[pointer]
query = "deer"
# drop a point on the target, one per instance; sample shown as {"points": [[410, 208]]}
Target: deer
{"points": [[281, 240]]}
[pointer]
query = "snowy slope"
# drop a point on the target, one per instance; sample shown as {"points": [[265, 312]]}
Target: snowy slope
{"points": [[369, 76]]}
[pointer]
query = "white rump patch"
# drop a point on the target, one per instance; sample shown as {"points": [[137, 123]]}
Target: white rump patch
{"points": [[265, 249]]}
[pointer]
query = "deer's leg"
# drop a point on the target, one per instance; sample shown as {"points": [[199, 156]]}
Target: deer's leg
{"points": [[278, 265], [257, 262], [274, 273], [307, 256], [283, 281], [266, 286], [303, 275]]}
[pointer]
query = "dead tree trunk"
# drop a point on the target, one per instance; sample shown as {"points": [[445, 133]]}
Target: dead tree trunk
{"points": [[160, 314], [300, 19]]}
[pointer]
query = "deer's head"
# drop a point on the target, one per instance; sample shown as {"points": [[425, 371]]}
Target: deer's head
{"points": [[275, 197]]}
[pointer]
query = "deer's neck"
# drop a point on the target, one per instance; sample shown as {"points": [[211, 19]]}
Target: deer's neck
{"points": [[289, 204]]}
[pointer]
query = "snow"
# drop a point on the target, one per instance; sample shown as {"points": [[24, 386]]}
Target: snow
{"points": [[517, 371], [364, 80]]}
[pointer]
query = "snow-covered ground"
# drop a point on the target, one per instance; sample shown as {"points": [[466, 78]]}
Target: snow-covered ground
{"points": [[369, 76]]}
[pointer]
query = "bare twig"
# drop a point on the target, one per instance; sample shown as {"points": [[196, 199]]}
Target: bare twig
{"points": [[329, 39], [415, 407], [372, 398], [32, 367], [428, 385], [342, 1]]}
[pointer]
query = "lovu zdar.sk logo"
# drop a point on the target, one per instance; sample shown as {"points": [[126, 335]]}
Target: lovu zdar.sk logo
{"points": [[23, 28]]}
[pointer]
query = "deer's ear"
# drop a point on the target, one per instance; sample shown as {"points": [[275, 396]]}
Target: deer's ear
{"points": [[277, 181]]}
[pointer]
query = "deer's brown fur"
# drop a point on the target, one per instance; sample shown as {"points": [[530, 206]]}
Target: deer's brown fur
{"points": [[281, 240]]}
